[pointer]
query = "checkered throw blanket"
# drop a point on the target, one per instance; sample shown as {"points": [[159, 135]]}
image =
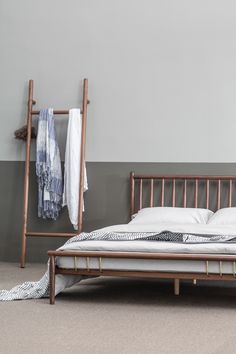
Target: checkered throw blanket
{"points": [[48, 167], [40, 289]]}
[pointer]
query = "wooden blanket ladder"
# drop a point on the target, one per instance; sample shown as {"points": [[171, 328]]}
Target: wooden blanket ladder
{"points": [[28, 137]]}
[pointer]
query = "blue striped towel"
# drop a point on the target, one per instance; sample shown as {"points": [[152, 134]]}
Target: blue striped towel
{"points": [[48, 167]]}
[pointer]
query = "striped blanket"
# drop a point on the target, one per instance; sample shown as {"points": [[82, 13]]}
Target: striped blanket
{"points": [[48, 167], [40, 289]]}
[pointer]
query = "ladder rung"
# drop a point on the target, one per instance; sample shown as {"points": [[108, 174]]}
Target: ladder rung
{"points": [[50, 234], [59, 111]]}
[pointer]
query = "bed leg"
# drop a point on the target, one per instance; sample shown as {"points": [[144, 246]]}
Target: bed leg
{"points": [[176, 286], [52, 280]]}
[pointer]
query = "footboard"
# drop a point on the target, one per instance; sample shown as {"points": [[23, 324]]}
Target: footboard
{"points": [[176, 276]]}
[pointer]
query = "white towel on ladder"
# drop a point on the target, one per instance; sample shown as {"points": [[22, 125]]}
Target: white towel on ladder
{"points": [[72, 166]]}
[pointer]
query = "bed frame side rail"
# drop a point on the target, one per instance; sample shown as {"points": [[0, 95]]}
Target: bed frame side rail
{"points": [[207, 258]]}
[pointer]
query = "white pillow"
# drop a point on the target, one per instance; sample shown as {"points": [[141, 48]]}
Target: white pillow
{"points": [[225, 216], [172, 215]]}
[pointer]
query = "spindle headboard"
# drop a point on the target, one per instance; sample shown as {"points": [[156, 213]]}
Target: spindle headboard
{"points": [[213, 192]]}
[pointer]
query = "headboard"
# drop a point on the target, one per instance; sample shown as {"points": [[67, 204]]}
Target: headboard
{"points": [[213, 192]]}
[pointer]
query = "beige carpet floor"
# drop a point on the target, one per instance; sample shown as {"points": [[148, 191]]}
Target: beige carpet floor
{"points": [[113, 315]]}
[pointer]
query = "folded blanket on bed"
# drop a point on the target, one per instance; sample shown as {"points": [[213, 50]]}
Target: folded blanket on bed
{"points": [[48, 167], [164, 236], [39, 289]]}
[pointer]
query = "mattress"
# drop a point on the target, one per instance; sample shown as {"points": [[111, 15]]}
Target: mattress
{"points": [[150, 265], [147, 265]]}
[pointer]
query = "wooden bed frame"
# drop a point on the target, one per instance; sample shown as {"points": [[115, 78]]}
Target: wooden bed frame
{"points": [[154, 190]]}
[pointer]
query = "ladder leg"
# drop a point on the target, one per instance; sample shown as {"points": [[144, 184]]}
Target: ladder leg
{"points": [[52, 280], [23, 250], [82, 156], [26, 177]]}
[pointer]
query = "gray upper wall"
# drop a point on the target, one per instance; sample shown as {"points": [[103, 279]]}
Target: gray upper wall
{"points": [[162, 75]]}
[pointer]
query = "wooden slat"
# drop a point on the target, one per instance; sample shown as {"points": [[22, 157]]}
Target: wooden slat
{"points": [[230, 193], [207, 193], [140, 193], [132, 182], [218, 194], [151, 193], [162, 192], [173, 193], [50, 234], [176, 286], [59, 112], [196, 194], [185, 193]]}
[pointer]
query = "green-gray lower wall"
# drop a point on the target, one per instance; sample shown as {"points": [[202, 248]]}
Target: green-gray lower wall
{"points": [[106, 201]]}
